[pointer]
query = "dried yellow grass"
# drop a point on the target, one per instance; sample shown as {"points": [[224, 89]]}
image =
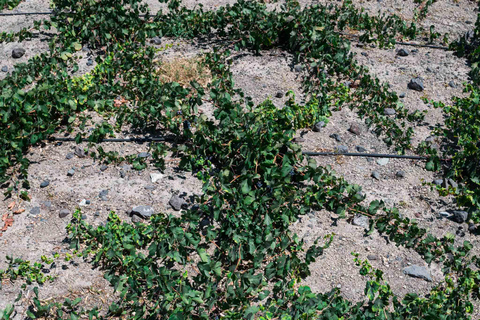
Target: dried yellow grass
{"points": [[184, 70]]}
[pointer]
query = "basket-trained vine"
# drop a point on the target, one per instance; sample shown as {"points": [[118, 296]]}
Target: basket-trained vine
{"points": [[232, 255]]}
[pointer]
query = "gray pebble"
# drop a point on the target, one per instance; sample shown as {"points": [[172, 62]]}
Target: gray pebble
{"points": [[376, 175], [103, 167], [298, 139], [35, 211], [122, 174], [69, 156], [364, 54], [400, 174], [176, 202], [298, 68], [418, 272], [416, 84], [103, 195], [355, 129], [389, 111], [382, 161], [429, 69], [63, 213], [453, 183], [438, 182], [89, 62], [45, 184], [403, 52], [79, 152], [336, 137], [452, 84], [144, 155], [402, 95], [71, 172], [360, 149], [156, 40], [372, 257], [143, 211], [4, 69], [318, 126], [460, 216], [279, 94], [361, 221], [18, 53]]}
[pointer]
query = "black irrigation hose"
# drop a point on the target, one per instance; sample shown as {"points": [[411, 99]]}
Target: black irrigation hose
{"points": [[143, 139], [422, 45], [35, 14], [372, 155], [308, 153]]}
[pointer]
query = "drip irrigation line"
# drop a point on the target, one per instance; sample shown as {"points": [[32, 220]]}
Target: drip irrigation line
{"points": [[359, 154], [26, 14], [308, 153], [422, 45], [45, 13], [143, 139]]}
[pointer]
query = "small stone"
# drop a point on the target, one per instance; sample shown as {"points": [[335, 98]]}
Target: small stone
{"points": [[63, 213], [372, 257], [400, 174], [79, 152], [87, 202], [144, 155], [472, 228], [69, 156], [418, 272], [18, 53], [289, 19], [143, 211], [122, 174], [71, 172], [460, 232], [460, 216], [35, 211], [364, 54], [444, 214], [84, 217], [403, 52], [103, 167], [361, 221], [4, 69], [389, 111], [103, 195], [89, 62], [45, 184], [336, 137], [156, 40], [360, 149], [402, 95], [279, 94], [149, 187], [318, 126], [136, 219], [83, 203], [382, 161], [416, 84], [96, 214], [468, 22], [452, 84], [438, 182], [298, 68], [298, 139], [376, 175], [341, 149], [355, 129], [453, 183], [429, 69], [155, 176], [176, 202]]}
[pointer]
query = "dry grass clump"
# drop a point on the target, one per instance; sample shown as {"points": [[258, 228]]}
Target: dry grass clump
{"points": [[184, 70]]}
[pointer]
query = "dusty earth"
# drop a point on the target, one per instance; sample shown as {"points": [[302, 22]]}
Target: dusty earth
{"points": [[39, 230]]}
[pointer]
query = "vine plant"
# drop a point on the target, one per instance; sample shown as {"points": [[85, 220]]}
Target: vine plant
{"points": [[231, 256]]}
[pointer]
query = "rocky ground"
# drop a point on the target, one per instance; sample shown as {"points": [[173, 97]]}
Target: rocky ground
{"points": [[64, 179]]}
